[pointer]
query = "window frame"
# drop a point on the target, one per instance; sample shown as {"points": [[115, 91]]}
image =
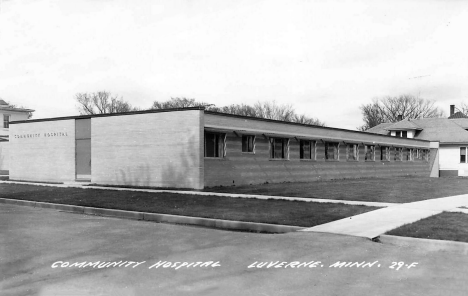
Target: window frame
{"points": [[221, 143], [387, 155], [6, 120], [285, 148], [312, 150], [411, 154], [460, 158], [336, 156], [366, 148], [352, 152], [398, 153], [247, 146]]}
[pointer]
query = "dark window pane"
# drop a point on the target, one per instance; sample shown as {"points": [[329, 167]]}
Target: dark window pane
{"points": [[247, 143], [279, 148], [331, 150], [210, 145], [305, 150], [404, 134], [214, 145]]}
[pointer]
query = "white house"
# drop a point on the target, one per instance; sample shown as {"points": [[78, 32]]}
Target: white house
{"points": [[8, 114], [451, 133]]}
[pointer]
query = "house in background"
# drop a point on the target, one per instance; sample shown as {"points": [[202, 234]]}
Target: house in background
{"points": [[451, 133], [8, 114]]}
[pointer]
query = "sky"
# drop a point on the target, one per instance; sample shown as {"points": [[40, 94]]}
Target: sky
{"points": [[326, 58]]}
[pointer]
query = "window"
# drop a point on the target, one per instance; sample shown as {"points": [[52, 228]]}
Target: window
{"points": [[398, 153], [331, 151], [307, 149], [398, 134], [370, 153], [248, 143], [279, 148], [385, 153], [425, 154], [463, 154], [353, 151], [404, 134], [6, 121], [215, 144], [409, 154]]}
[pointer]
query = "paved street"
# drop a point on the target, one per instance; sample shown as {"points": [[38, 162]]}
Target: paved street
{"points": [[38, 246]]}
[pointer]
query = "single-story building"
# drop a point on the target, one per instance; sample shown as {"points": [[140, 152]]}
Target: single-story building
{"points": [[451, 133], [197, 148]]}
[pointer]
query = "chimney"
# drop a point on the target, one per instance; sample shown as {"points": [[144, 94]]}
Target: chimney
{"points": [[452, 109], [400, 117]]}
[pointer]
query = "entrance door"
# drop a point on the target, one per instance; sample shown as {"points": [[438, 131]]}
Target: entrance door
{"points": [[83, 159]]}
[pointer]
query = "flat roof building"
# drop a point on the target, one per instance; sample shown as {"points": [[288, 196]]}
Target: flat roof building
{"points": [[196, 148]]}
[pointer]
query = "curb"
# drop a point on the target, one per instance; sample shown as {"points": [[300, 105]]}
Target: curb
{"points": [[154, 217], [426, 244]]}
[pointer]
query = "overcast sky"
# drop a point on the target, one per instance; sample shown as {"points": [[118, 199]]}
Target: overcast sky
{"points": [[325, 57]]}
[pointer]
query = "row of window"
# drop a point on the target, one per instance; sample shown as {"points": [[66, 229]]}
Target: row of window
{"points": [[215, 146]]}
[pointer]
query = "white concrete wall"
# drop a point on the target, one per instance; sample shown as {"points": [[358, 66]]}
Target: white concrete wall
{"points": [[4, 155], [449, 159], [43, 151], [153, 149]]}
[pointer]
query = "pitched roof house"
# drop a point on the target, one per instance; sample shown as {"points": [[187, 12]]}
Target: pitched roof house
{"points": [[8, 114], [451, 133]]}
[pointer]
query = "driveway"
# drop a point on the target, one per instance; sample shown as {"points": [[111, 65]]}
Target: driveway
{"points": [[47, 252]]}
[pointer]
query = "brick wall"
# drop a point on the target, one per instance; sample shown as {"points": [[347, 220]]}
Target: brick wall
{"points": [[152, 149], [246, 168]]}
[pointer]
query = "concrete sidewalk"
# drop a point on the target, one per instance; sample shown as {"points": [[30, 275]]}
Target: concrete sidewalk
{"points": [[375, 223]]}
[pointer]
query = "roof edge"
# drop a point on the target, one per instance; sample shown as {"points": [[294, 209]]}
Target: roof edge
{"points": [[108, 114], [302, 124]]}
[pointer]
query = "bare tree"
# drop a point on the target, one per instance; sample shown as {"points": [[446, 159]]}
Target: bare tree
{"points": [[102, 102], [178, 103], [244, 110], [268, 110], [388, 109], [272, 110], [463, 108]]}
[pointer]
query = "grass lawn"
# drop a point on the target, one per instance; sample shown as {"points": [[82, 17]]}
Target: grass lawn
{"points": [[252, 210], [396, 189], [444, 226]]}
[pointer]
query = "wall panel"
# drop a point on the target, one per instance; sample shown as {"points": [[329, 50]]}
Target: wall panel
{"points": [[43, 151], [151, 149]]}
